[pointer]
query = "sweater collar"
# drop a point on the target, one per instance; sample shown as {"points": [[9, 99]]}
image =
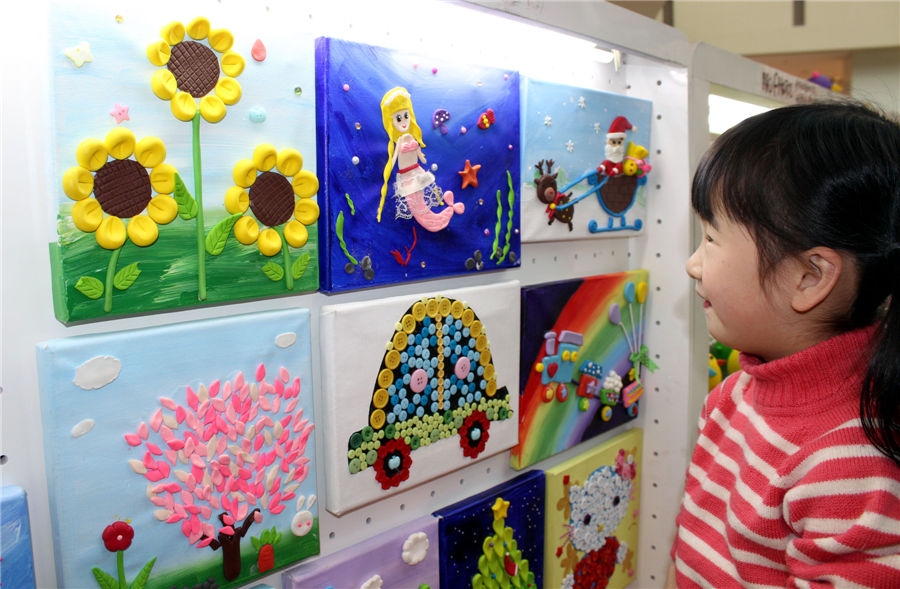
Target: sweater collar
{"points": [[813, 375]]}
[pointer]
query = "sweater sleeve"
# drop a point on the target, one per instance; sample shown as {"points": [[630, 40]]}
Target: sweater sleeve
{"points": [[844, 507]]}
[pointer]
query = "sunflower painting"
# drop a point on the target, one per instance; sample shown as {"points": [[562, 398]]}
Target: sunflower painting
{"points": [[134, 231]]}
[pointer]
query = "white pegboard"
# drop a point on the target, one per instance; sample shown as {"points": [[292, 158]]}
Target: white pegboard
{"points": [[655, 68]]}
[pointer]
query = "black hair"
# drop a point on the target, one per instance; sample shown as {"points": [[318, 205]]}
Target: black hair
{"points": [[825, 174]]}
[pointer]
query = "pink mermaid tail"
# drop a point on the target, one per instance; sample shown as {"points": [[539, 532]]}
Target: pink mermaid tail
{"points": [[426, 217]]}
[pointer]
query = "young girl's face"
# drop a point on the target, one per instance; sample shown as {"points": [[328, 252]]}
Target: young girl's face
{"points": [[401, 120], [740, 312]]}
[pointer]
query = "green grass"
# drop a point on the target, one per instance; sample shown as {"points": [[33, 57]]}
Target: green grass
{"points": [[168, 278]]}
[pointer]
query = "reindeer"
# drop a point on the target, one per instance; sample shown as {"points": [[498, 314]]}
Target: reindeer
{"points": [[547, 193]]}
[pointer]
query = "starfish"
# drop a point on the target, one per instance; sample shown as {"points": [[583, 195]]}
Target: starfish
{"points": [[120, 113], [470, 174], [499, 508], [79, 54]]}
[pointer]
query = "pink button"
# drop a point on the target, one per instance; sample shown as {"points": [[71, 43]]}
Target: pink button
{"points": [[418, 380], [462, 368]]}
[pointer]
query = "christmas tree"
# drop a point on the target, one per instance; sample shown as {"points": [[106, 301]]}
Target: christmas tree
{"points": [[502, 565]]}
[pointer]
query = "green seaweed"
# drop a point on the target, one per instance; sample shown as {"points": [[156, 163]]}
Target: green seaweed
{"points": [[511, 198], [339, 231], [350, 203]]}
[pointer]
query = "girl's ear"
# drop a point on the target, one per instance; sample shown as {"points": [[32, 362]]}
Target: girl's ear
{"points": [[816, 276]]}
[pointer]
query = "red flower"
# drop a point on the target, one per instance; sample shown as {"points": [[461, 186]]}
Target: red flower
{"points": [[117, 536], [392, 465], [473, 434]]}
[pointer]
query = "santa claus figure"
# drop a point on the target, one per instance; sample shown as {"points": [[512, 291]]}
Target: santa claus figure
{"points": [[615, 147]]}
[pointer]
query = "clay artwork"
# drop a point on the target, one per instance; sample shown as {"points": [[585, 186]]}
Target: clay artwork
{"points": [[16, 561], [404, 199], [200, 465], [592, 516], [407, 379], [405, 556], [495, 538], [585, 161], [582, 360], [149, 220]]}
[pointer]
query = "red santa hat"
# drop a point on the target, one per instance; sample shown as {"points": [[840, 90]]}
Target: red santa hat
{"points": [[619, 126]]}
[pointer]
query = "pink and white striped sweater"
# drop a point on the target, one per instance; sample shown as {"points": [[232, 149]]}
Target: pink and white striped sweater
{"points": [[784, 489]]}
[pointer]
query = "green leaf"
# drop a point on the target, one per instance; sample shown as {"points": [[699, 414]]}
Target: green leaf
{"points": [[255, 541], [274, 271], [187, 206], [104, 579], [298, 268], [218, 235], [89, 287], [141, 580], [126, 276]]}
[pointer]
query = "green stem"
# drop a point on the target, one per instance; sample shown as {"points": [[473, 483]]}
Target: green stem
{"points": [[198, 196], [120, 564], [110, 274], [288, 271]]}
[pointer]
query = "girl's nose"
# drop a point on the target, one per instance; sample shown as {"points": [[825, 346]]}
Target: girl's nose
{"points": [[693, 265]]}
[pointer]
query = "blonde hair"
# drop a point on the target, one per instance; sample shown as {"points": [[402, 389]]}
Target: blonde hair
{"points": [[395, 100]]}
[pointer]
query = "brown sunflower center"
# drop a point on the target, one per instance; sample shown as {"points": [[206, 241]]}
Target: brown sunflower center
{"points": [[272, 199], [195, 68], [122, 187]]}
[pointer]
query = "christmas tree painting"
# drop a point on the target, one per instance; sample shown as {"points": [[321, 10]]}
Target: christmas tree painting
{"points": [[502, 565]]}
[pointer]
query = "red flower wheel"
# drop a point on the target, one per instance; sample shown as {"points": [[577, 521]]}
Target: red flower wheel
{"points": [[392, 465], [597, 566], [473, 435]]}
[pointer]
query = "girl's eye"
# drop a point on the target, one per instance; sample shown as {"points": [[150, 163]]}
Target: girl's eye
{"points": [[406, 116], [707, 237], [399, 118]]}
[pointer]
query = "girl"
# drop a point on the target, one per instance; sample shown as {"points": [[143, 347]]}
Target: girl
{"points": [[415, 190], [795, 478]]}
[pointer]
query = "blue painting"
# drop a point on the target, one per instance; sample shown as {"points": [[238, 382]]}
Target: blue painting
{"points": [[182, 451], [418, 162], [586, 160], [495, 538], [16, 562]]}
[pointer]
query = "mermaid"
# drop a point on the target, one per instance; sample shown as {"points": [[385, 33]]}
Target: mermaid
{"points": [[415, 192]]}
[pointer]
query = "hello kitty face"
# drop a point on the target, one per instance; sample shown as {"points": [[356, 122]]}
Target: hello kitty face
{"points": [[598, 507]]}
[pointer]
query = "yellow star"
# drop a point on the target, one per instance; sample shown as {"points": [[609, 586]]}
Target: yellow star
{"points": [[500, 507], [470, 174]]}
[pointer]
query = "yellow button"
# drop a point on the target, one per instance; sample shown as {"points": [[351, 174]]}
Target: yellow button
{"points": [[457, 309], [444, 307], [489, 372], [380, 398], [392, 359], [481, 343], [491, 388], [385, 378], [475, 328], [377, 419], [408, 323], [399, 341], [565, 356], [468, 317], [485, 358], [431, 307], [418, 311]]}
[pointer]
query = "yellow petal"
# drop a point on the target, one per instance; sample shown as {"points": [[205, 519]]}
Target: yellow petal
{"points": [[306, 211], [246, 230], [198, 28], [289, 161], [142, 230], [91, 154], [221, 40], [236, 200], [87, 214], [172, 33], [119, 143], [162, 178], [244, 173], [159, 52], [265, 156], [228, 90], [295, 233], [78, 183], [164, 84], [111, 233], [269, 242], [305, 184], [150, 152], [212, 108], [162, 208], [183, 106], [232, 64]]}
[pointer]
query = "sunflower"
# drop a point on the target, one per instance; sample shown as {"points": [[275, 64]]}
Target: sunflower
{"points": [[122, 188], [274, 179], [193, 71]]}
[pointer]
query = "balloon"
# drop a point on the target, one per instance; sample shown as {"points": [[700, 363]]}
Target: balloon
{"points": [[642, 292], [614, 314], [629, 292]]}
